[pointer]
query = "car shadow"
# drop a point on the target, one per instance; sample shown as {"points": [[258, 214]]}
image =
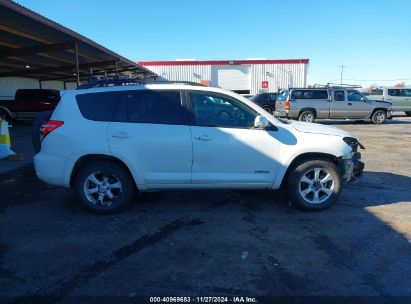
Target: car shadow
{"points": [[238, 241]]}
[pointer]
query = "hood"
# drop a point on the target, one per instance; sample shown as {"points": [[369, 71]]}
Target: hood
{"points": [[315, 128]]}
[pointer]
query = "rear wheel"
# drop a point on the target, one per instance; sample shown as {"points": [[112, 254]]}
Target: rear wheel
{"points": [[379, 117], [268, 109], [307, 116], [408, 113], [104, 187], [314, 184]]}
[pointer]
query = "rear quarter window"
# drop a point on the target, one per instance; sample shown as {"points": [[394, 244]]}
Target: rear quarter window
{"points": [[309, 94], [98, 106]]}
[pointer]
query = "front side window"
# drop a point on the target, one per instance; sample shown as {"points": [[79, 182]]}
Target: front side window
{"points": [[354, 96], [214, 110], [145, 106], [394, 92], [339, 96]]}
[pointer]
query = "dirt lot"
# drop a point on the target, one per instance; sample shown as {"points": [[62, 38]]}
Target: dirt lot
{"points": [[215, 242]]}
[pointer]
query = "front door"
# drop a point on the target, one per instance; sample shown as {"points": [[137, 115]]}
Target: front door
{"points": [[358, 105], [354, 106], [227, 149]]}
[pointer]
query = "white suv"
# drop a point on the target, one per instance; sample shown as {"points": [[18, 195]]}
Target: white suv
{"points": [[107, 143]]}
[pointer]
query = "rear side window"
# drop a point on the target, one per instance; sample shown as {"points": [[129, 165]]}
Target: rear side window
{"points": [[394, 92], [98, 106], [144, 106], [309, 94], [339, 96]]}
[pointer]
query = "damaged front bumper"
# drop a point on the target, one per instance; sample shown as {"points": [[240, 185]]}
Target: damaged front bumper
{"points": [[351, 166]]}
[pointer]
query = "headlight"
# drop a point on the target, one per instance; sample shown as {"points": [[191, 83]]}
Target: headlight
{"points": [[353, 143]]}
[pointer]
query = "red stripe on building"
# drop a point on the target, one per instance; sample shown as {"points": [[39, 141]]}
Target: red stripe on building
{"points": [[224, 62]]}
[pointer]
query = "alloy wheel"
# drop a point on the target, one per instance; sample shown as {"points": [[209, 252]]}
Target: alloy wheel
{"points": [[316, 186]]}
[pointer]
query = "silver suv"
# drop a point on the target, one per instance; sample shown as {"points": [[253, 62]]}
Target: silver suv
{"points": [[330, 103]]}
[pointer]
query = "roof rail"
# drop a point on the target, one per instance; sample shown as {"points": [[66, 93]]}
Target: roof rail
{"points": [[122, 81], [337, 86]]}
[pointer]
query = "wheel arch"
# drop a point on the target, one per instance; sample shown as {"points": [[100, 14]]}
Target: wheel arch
{"points": [[304, 157], [95, 157], [308, 109], [377, 109]]}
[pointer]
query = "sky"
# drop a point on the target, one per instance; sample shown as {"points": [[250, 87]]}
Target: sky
{"points": [[372, 38]]}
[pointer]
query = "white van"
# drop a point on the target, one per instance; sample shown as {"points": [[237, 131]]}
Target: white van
{"points": [[399, 97]]}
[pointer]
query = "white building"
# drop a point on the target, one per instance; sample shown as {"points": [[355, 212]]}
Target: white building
{"points": [[250, 76]]}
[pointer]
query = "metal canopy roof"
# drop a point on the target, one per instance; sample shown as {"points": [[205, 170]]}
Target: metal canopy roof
{"points": [[36, 47]]}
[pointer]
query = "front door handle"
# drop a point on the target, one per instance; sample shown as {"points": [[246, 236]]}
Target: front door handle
{"points": [[120, 135], [350, 104], [203, 138]]}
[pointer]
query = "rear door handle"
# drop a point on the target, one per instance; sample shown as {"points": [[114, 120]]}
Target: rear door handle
{"points": [[120, 135], [350, 104], [203, 138]]}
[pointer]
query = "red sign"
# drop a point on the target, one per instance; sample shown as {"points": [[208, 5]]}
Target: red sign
{"points": [[264, 84]]}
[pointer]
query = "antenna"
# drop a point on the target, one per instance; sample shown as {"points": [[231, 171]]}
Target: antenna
{"points": [[342, 66]]}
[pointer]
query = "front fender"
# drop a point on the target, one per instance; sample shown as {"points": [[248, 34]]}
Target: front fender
{"points": [[323, 145]]}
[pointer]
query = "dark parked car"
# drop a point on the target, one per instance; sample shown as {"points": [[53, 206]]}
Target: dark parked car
{"points": [[265, 100], [28, 102]]}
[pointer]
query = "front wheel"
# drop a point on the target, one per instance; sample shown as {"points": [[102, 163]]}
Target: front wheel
{"points": [[104, 187], [408, 113], [379, 117], [307, 116], [314, 185]]}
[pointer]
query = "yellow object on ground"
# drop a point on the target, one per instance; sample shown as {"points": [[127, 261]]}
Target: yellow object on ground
{"points": [[5, 150]]}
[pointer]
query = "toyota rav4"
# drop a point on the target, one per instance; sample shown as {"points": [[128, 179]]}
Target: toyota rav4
{"points": [[109, 142]]}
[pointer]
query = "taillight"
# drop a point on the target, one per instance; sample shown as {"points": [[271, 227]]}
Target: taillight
{"points": [[49, 126], [287, 104]]}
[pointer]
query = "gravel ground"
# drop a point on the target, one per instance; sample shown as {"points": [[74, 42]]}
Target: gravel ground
{"points": [[190, 243]]}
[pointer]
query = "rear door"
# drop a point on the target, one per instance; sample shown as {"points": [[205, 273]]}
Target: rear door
{"points": [[339, 107], [150, 130], [406, 99], [394, 96]]}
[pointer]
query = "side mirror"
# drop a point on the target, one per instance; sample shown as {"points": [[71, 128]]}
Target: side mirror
{"points": [[261, 122]]}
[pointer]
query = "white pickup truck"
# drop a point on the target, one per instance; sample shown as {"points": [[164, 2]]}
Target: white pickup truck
{"points": [[399, 97]]}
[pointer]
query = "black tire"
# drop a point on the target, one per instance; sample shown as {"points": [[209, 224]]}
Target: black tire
{"points": [[269, 109], [408, 113], [304, 170], [307, 116], [115, 173], [41, 117], [379, 117]]}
